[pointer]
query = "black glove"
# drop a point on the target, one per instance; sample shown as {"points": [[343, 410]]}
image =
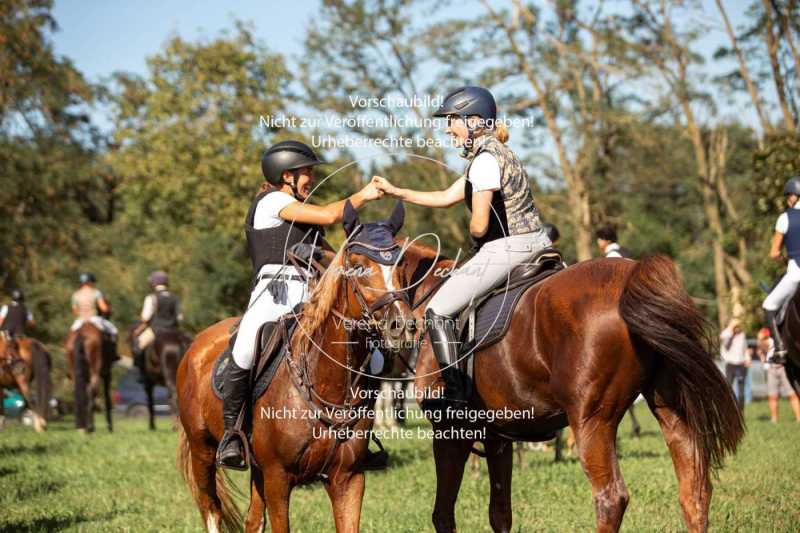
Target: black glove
{"points": [[306, 252]]}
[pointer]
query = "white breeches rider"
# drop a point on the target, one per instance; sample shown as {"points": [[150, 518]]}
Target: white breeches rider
{"points": [[785, 288], [265, 307], [102, 323], [486, 270]]}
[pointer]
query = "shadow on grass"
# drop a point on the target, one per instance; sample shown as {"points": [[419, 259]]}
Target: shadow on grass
{"points": [[51, 523], [21, 449], [5, 471], [32, 489]]}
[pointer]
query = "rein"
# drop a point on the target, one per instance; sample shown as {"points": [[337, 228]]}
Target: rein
{"points": [[350, 412]]}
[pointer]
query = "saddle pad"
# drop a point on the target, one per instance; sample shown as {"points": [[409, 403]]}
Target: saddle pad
{"points": [[263, 380], [493, 316]]}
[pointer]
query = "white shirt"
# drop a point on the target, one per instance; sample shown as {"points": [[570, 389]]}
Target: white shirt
{"points": [[782, 225], [269, 208], [612, 250], [484, 173], [734, 353], [267, 215], [151, 303]]}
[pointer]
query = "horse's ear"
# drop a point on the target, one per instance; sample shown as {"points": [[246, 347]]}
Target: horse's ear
{"points": [[350, 218], [397, 217]]}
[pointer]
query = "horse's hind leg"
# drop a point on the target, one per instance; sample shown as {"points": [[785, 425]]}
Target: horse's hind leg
{"points": [[450, 457], [346, 492], [151, 409], [596, 439], [108, 403], [694, 485], [500, 459], [205, 488]]}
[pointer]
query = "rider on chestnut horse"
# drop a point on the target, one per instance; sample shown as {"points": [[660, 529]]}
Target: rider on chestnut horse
{"points": [[15, 317], [787, 232], [89, 304], [161, 311], [279, 219], [505, 224]]}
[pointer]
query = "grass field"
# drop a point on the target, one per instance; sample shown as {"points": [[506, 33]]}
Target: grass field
{"points": [[127, 481]]}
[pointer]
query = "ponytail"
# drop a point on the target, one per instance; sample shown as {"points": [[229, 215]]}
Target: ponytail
{"points": [[501, 132]]}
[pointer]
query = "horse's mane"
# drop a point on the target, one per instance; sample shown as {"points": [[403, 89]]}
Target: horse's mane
{"points": [[322, 300]]}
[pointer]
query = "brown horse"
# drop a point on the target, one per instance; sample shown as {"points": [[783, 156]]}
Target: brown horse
{"points": [[580, 348], [23, 360], [312, 423], [790, 330], [89, 359], [161, 367]]}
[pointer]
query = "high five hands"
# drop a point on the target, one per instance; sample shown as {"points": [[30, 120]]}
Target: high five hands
{"points": [[384, 185]]}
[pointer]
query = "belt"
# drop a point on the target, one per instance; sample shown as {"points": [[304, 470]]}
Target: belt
{"points": [[282, 277]]}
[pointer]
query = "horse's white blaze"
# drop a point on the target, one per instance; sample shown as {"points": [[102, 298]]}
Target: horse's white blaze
{"points": [[387, 276]]}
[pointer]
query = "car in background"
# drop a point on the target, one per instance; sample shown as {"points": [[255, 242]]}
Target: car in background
{"points": [[130, 398], [13, 403]]}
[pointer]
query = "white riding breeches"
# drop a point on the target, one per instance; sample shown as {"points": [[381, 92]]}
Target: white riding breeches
{"points": [[785, 288], [102, 323], [486, 270], [266, 304]]}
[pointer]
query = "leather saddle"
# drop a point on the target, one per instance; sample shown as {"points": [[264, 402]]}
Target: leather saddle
{"points": [[487, 319], [272, 348]]}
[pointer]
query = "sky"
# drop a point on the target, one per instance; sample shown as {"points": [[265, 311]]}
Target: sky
{"points": [[102, 37]]}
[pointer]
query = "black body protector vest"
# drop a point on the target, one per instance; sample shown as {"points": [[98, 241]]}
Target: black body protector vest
{"points": [[16, 319], [498, 223], [166, 316], [267, 246]]}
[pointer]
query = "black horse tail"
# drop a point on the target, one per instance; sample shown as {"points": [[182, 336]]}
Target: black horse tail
{"points": [[660, 314], [41, 374]]}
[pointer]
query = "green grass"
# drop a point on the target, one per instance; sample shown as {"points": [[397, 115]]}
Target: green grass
{"points": [[127, 481]]}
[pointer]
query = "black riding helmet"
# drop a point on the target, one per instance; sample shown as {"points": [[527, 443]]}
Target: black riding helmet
{"points": [[17, 296], [792, 186], [466, 102], [286, 155], [86, 277]]}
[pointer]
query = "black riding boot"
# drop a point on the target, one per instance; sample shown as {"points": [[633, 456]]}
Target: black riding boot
{"points": [[235, 391], [779, 355], [442, 331]]}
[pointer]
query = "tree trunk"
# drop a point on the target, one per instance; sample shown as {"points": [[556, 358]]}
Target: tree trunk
{"points": [[777, 76]]}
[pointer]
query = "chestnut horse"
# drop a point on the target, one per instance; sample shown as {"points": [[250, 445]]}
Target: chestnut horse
{"points": [[581, 346], [161, 367], [23, 360], [89, 361], [315, 394]]}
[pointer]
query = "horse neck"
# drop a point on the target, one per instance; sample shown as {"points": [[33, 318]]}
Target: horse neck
{"points": [[330, 366]]}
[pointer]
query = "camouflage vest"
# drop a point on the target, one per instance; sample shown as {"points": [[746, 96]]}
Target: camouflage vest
{"points": [[521, 213]]}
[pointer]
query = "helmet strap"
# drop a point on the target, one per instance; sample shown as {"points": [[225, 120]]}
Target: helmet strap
{"points": [[293, 185]]}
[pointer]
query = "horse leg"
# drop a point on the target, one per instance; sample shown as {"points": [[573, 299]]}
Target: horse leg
{"points": [[694, 485], [450, 457], [151, 410], [500, 459], [255, 514], [25, 390], [346, 492], [636, 429], [277, 492], [108, 403], [596, 440], [205, 488]]}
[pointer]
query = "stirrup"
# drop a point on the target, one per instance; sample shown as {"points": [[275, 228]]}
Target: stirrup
{"points": [[230, 439]]}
